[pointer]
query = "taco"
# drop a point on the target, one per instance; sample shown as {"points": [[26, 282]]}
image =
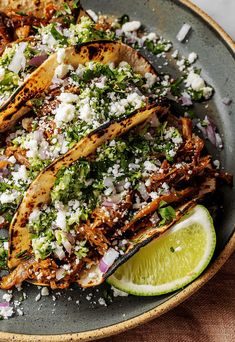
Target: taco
{"points": [[121, 187], [24, 52]]}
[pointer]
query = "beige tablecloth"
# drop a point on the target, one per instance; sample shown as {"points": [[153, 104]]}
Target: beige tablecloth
{"points": [[208, 316]]}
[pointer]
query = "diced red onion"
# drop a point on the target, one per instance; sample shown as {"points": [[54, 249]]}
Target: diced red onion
{"points": [[108, 259], [219, 142], [4, 305], [183, 32], [38, 135], [60, 273], [186, 101], [108, 181], [154, 121], [155, 218], [67, 245], [107, 204], [115, 198], [103, 266], [210, 133], [148, 136], [70, 238], [38, 60], [142, 190], [202, 129], [227, 101], [59, 253], [119, 33]]}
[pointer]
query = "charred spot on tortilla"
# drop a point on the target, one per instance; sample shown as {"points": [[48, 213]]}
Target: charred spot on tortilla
{"points": [[93, 52]]}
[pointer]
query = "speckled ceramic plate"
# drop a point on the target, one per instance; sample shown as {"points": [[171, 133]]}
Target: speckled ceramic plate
{"points": [[75, 315]]}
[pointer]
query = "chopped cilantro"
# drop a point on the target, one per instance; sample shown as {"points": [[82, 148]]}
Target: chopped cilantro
{"points": [[58, 36], [175, 87], [67, 8], [167, 214]]}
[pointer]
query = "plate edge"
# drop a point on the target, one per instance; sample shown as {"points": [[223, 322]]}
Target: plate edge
{"points": [[172, 302]]}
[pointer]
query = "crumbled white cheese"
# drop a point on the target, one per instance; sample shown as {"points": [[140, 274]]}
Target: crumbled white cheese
{"points": [[175, 54], [34, 215], [183, 32], [2, 219], [62, 70], [18, 61], [7, 297], [151, 79], [181, 64], [101, 301], [8, 197], [61, 220], [195, 81], [60, 55], [49, 40], [151, 36], [207, 92], [6, 312], [192, 57], [45, 291], [20, 312], [38, 297], [12, 159], [64, 113], [131, 26], [86, 113], [68, 97], [118, 293], [149, 166], [216, 163], [21, 174], [153, 195]]}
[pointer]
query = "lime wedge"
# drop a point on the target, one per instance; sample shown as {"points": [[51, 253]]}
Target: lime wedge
{"points": [[171, 261]]}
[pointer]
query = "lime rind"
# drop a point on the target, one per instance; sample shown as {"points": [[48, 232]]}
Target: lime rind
{"points": [[198, 215]]}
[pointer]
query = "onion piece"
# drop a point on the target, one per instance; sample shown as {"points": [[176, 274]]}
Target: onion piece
{"points": [[38, 60], [4, 305], [67, 245], [186, 100], [108, 259], [142, 190], [107, 204], [60, 273], [59, 253], [93, 15], [227, 101], [154, 121], [209, 132]]}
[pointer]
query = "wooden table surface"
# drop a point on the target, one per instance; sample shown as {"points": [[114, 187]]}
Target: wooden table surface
{"points": [[207, 316]]}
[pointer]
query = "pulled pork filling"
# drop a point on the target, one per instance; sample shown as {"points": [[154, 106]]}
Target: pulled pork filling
{"points": [[102, 203]]}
